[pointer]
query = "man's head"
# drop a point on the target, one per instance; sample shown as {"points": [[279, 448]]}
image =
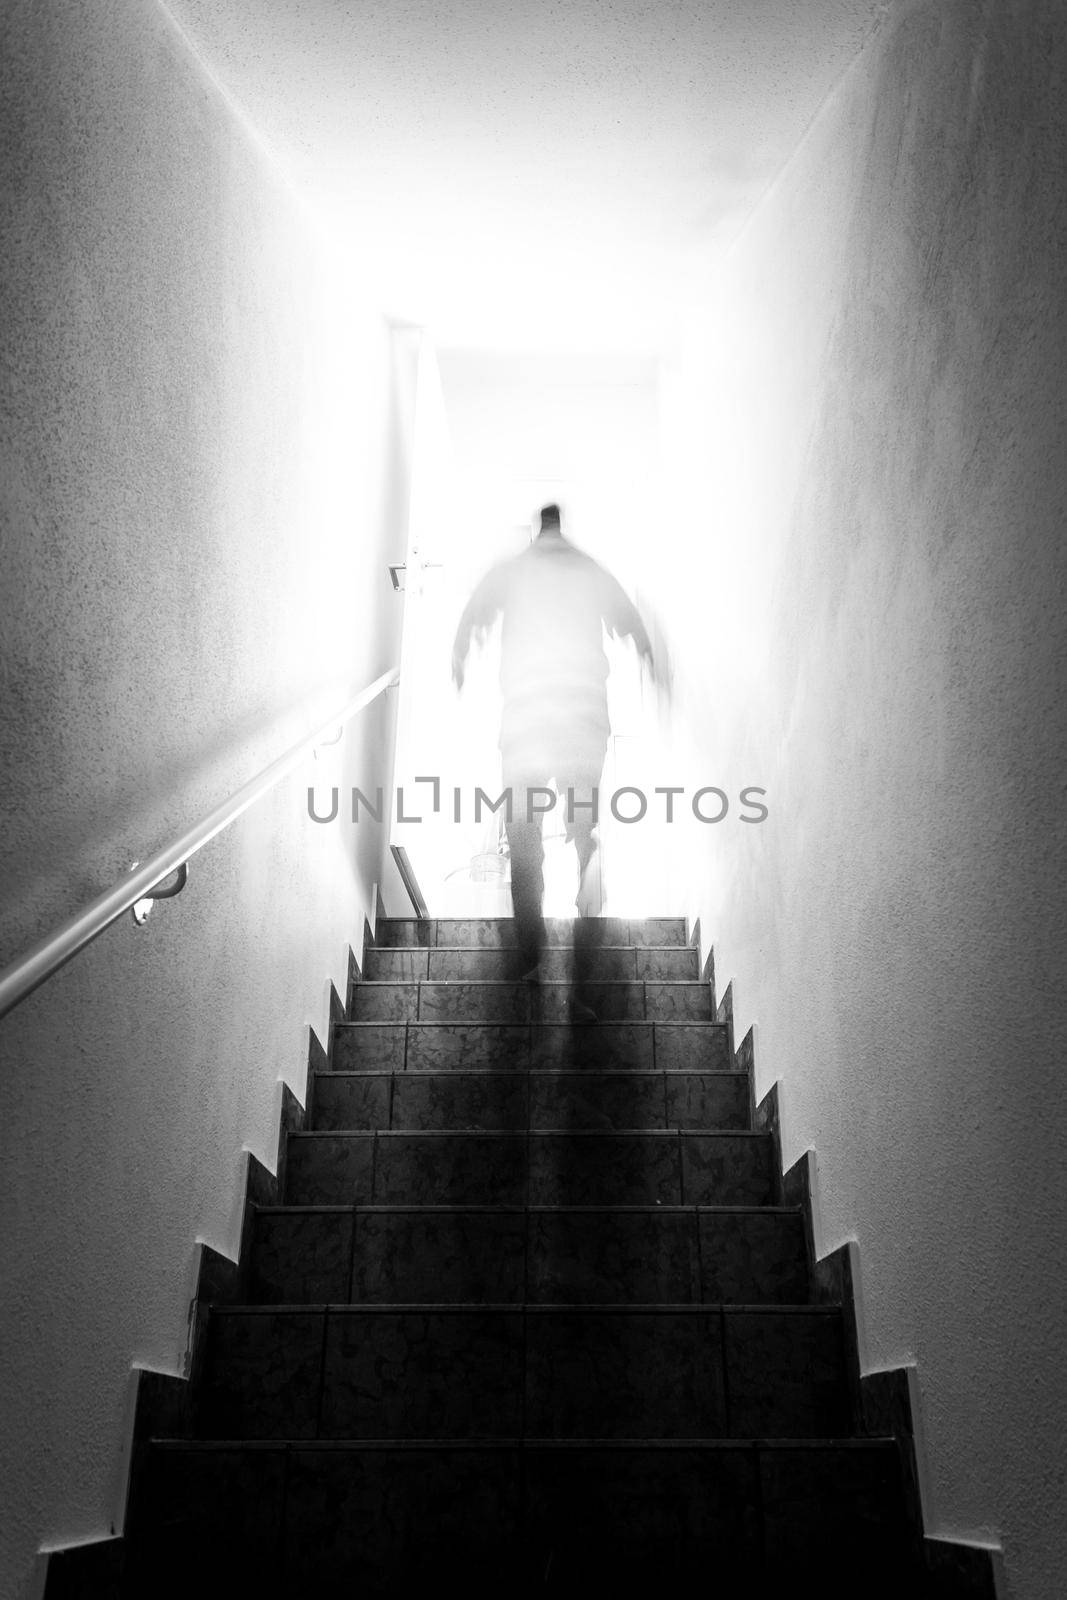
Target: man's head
{"points": [[550, 527]]}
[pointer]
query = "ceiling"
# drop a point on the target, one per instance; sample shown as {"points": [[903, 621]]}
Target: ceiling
{"points": [[550, 174]]}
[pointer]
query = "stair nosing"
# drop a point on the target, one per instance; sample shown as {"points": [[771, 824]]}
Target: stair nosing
{"points": [[505, 949], [587, 1029], [588, 1074], [520, 1210], [521, 983], [528, 1133]]}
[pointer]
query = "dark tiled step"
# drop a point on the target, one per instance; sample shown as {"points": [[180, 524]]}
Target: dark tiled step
{"points": [[477, 1046], [576, 1520], [400, 1372], [473, 1001], [435, 1254], [624, 1168], [680, 963], [541, 1099], [498, 933]]}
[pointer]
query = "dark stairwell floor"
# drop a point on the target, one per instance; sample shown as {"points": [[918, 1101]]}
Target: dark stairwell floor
{"points": [[531, 1318]]}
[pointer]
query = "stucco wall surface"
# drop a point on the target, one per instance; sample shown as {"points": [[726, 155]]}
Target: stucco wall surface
{"points": [[870, 427], [203, 476]]}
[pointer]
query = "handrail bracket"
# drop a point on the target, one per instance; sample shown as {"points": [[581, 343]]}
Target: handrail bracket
{"points": [[162, 891]]}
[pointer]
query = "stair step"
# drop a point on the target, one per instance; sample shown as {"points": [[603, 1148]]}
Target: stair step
{"points": [[680, 963], [530, 1318], [651, 1000], [540, 1099], [484, 1371], [498, 933], [542, 1168], [301, 1518], [437, 1254], [522, 1046]]}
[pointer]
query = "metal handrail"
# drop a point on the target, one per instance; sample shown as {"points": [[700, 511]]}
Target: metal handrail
{"points": [[49, 954], [409, 880]]}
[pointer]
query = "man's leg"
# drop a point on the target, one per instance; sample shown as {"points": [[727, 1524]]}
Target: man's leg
{"points": [[581, 798], [580, 791], [526, 849]]}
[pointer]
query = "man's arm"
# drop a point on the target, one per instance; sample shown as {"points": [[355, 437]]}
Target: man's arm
{"points": [[621, 617], [478, 617]]}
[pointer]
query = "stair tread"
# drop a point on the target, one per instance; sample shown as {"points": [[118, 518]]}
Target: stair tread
{"points": [[517, 1307], [533, 1442]]}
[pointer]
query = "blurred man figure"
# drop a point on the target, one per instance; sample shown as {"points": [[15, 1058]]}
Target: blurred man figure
{"points": [[554, 602]]}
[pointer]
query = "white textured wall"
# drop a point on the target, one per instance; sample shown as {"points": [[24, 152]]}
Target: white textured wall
{"points": [[203, 476], [869, 436]]}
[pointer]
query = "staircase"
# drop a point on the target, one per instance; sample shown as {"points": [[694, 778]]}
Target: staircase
{"points": [[531, 1318]]}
